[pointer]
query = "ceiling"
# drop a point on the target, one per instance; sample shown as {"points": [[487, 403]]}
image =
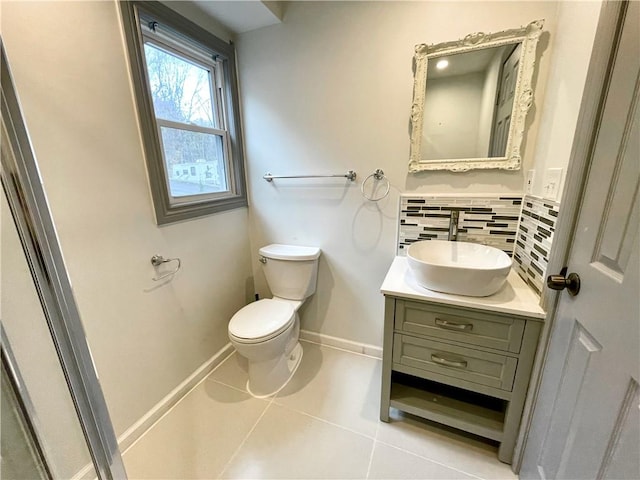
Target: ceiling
{"points": [[242, 16], [464, 63]]}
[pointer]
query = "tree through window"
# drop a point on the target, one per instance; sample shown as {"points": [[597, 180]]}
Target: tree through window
{"points": [[188, 110], [184, 98]]}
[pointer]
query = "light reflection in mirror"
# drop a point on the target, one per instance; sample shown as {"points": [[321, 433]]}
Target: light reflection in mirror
{"points": [[468, 103]]}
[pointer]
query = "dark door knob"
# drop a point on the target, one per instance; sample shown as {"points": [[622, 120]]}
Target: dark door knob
{"points": [[562, 281]]}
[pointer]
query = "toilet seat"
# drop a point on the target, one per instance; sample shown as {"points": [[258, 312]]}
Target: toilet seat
{"points": [[262, 320]]}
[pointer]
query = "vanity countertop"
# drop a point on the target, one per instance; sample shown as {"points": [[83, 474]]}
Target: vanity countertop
{"points": [[516, 297]]}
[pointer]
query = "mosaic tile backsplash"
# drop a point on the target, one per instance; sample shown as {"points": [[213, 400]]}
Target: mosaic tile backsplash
{"points": [[488, 219], [533, 243]]}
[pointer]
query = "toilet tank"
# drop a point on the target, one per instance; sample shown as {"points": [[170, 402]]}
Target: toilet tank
{"points": [[291, 270]]}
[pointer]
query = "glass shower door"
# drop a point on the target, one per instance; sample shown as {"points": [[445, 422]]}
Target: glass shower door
{"points": [[42, 405], [57, 424], [20, 456]]}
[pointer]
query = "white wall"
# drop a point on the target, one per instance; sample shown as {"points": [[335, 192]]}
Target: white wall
{"points": [[452, 116], [329, 90], [573, 43], [71, 74]]}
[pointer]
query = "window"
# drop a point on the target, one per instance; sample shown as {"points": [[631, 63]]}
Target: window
{"points": [[186, 91]]}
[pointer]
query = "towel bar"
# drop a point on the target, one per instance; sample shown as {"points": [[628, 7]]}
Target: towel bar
{"points": [[351, 175]]}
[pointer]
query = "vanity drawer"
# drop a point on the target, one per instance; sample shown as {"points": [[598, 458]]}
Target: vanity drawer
{"points": [[476, 366], [474, 328]]}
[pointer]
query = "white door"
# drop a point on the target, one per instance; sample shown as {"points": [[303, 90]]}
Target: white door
{"points": [[504, 107], [586, 423]]}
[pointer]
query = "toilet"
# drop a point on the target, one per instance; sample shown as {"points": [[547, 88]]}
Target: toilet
{"points": [[266, 332]]}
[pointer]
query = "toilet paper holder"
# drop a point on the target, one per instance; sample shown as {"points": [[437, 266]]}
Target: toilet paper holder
{"points": [[158, 260]]}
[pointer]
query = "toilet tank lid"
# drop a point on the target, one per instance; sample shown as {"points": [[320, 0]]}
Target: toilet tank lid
{"points": [[290, 252]]}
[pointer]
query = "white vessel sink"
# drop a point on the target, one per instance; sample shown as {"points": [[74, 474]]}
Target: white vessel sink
{"points": [[460, 268]]}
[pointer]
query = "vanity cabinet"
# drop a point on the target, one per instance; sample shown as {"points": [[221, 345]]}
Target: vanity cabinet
{"points": [[459, 366]]}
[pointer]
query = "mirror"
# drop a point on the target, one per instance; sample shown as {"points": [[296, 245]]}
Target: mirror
{"points": [[470, 101]]}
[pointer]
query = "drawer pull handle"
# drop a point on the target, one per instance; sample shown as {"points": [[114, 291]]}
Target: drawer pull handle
{"points": [[460, 327], [449, 363]]}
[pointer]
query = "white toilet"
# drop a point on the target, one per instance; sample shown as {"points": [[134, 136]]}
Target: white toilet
{"points": [[266, 332]]}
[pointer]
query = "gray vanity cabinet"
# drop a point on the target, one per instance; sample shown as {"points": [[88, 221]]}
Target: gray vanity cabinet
{"points": [[462, 367]]}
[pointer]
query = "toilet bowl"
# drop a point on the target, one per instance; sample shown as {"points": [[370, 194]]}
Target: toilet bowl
{"points": [[266, 332]]}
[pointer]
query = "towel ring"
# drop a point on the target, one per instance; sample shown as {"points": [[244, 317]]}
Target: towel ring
{"points": [[377, 176]]}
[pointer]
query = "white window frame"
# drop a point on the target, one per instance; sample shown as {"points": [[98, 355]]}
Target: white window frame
{"points": [[158, 25]]}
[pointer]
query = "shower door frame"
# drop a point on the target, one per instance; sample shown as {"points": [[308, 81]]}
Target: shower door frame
{"points": [[30, 212], [24, 406]]}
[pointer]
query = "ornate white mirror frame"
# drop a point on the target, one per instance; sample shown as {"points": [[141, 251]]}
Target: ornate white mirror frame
{"points": [[523, 97]]}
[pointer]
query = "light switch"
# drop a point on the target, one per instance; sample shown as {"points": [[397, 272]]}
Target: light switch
{"points": [[552, 180], [528, 183]]}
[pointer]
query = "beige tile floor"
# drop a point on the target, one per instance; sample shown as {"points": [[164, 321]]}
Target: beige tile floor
{"points": [[322, 425]]}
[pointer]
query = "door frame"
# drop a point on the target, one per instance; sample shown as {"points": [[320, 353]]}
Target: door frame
{"points": [[611, 19], [30, 211]]}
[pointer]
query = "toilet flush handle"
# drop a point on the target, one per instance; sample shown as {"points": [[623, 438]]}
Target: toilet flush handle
{"points": [[263, 259]]}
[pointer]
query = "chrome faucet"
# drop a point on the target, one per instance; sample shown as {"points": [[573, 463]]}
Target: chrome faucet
{"points": [[453, 226]]}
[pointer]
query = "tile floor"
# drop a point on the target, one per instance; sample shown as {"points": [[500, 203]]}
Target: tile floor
{"points": [[323, 425]]}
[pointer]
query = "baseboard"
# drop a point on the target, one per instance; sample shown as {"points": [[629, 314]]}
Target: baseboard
{"points": [[349, 345], [136, 430]]}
